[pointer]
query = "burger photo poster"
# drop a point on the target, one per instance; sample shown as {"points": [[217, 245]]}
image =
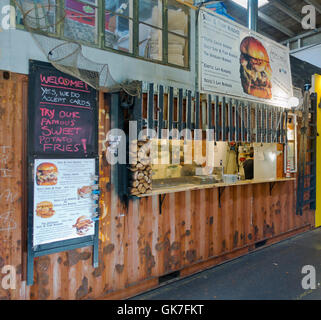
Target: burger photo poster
{"points": [[239, 62], [63, 206], [265, 71], [255, 69]]}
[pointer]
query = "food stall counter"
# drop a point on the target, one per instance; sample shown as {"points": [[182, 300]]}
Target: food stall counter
{"points": [[193, 186]]}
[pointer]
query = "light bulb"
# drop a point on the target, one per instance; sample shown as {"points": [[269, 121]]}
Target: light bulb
{"points": [[294, 102]]}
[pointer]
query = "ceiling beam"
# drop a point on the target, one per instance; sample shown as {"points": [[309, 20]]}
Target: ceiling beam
{"points": [[286, 9], [315, 4], [276, 24], [267, 20], [303, 35]]}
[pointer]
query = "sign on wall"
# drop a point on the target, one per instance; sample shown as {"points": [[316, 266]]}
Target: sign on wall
{"points": [[63, 115], [62, 164], [236, 61], [63, 206]]}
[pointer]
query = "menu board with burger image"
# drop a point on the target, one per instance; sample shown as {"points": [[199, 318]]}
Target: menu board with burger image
{"points": [[63, 203], [239, 62], [63, 162]]}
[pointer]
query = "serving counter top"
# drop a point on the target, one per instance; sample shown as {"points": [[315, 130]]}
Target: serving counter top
{"points": [[192, 186]]}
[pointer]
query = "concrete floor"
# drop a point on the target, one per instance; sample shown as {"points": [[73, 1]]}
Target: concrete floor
{"points": [[272, 273]]}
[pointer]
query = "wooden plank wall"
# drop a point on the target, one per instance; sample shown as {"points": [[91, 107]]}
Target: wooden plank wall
{"points": [[137, 245], [13, 97]]}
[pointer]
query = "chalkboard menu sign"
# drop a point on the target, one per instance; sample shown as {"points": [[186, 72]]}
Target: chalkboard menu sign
{"points": [[63, 164], [63, 118]]}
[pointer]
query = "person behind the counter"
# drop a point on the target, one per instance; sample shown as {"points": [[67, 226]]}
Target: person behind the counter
{"points": [[248, 166]]}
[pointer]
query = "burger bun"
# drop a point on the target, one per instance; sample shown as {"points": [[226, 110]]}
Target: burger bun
{"points": [[45, 209], [47, 166], [254, 48]]}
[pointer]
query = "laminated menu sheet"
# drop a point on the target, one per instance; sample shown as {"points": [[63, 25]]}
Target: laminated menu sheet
{"points": [[63, 203]]}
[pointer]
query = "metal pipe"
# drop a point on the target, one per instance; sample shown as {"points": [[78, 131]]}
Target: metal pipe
{"points": [[252, 12]]}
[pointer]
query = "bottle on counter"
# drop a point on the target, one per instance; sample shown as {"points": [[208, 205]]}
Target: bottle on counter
{"points": [[222, 169]]}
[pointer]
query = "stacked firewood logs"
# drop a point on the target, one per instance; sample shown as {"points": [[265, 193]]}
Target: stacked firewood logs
{"points": [[141, 171]]}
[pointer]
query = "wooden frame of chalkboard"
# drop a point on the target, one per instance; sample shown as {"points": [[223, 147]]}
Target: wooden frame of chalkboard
{"points": [[80, 125]]}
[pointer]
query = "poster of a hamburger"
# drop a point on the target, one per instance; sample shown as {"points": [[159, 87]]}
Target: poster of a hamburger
{"points": [[84, 192], [237, 62], [63, 205], [255, 70], [83, 225], [45, 209], [47, 174]]}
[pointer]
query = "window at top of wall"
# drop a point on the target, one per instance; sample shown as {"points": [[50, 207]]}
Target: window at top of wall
{"points": [[150, 12], [177, 50], [119, 25], [80, 21], [120, 7], [38, 15], [150, 42], [116, 24], [151, 29], [177, 18], [118, 32]]}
